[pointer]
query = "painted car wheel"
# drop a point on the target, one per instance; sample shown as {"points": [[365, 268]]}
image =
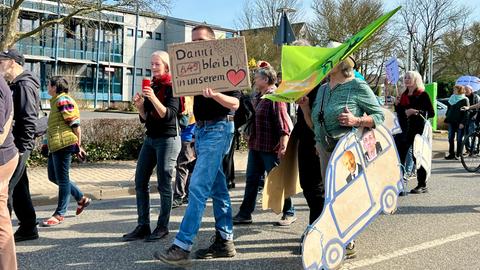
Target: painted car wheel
{"points": [[334, 254], [389, 201]]}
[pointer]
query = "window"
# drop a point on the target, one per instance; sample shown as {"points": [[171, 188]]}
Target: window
{"points": [[129, 32], [158, 36], [140, 33], [129, 71], [139, 72], [148, 72], [149, 35]]}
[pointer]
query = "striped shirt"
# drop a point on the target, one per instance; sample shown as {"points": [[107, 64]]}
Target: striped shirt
{"points": [[66, 107]]}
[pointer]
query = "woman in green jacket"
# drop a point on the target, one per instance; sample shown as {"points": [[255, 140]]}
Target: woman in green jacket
{"points": [[64, 139]]}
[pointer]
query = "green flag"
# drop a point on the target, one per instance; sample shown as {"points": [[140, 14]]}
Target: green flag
{"points": [[305, 67]]}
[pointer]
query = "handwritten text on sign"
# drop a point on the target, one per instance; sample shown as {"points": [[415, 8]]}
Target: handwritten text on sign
{"points": [[218, 64]]}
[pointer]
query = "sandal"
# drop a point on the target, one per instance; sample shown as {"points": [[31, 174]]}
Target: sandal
{"points": [[82, 204], [53, 221]]}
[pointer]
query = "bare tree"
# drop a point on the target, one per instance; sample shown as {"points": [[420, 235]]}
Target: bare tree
{"points": [[457, 53], [337, 20], [263, 13], [73, 8], [426, 21]]}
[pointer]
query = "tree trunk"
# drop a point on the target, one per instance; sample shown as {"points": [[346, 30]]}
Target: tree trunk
{"points": [[10, 34]]}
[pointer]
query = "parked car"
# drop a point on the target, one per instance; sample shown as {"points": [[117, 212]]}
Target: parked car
{"points": [[441, 109]]}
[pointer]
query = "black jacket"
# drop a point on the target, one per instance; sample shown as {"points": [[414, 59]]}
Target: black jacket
{"points": [[166, 126], [26, 104], [455, 115], [473, 99]]}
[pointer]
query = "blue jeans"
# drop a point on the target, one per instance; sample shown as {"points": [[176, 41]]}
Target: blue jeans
{"points": [[58, 173], [452, 130], [212, 142], [161, 152], [409, 161], [259, 163]]}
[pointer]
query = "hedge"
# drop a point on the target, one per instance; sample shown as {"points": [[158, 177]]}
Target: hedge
{"points": [[105, 139]]}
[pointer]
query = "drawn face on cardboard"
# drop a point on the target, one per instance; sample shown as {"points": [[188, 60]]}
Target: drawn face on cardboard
{"points": [[158, 66], [349, 161], [369, 143]]}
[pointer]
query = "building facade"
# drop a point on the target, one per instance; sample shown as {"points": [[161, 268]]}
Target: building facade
{"points": [[101, 41]]}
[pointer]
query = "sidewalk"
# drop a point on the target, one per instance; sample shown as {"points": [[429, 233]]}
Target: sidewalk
{"points": [[113, 179], [102, 180]]}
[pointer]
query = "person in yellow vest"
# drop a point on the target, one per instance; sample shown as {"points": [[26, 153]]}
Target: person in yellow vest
{"points": [[64, 139]]}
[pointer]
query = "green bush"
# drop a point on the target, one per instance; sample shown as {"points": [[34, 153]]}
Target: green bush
{"points": [[105, 139]]}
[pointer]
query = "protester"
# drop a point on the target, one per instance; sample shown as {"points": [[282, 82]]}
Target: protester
{"points": [[8, 162], [186, 158], [158, 109], [25, 88], [473, 116], [64, 139], [457, 120], [213, 135], [413, 108], [267, 144], [339, 106]]}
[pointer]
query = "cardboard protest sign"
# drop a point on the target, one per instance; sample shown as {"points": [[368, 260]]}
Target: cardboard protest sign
{"points": [[218, 64], [391, 68], [283, 181], [422, 149], [363, 179]]}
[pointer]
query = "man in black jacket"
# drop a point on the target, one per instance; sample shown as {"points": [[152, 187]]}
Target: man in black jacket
{"points": [[25, 88]]}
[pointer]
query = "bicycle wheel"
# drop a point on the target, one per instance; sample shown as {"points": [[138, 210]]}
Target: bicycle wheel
{"points": [[471, 152]]}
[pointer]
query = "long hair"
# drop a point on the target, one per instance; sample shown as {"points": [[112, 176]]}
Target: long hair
{"points": [[417, 79]]}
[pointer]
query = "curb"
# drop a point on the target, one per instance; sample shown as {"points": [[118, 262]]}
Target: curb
{"points": [[108, 193]]}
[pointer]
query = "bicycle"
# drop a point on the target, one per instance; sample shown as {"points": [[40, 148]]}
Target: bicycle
{"points": [[470, 150]]}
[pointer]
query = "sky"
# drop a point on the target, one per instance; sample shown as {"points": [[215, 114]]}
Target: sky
{"points": [[223, 12]]}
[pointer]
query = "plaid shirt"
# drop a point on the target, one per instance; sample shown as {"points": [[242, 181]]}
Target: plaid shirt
{"points": [[270, 124]]}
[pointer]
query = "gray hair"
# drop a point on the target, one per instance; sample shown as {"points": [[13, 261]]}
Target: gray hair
{"points": [[269, 73], [301, 42]]}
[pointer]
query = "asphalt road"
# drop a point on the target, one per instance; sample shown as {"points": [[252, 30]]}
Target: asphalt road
{"points": [[438, 230]]}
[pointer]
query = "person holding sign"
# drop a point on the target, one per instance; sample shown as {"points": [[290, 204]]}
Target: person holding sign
{"points": [[267, 144], [213, 135], [412, 108], [158, 109], [340, 105]]}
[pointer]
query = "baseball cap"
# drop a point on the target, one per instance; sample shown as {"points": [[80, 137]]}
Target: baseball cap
{"points": [[13, 54]]}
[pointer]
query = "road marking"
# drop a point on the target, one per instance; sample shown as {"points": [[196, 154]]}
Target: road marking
{"points": [[409, 250]]}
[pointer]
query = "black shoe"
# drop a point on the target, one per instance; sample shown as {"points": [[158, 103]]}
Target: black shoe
{"points": [[23, 234], [174, 256], [419, 190], [220, 248], [451, 157], [237, 220], [140, 232], [157, 234], [402, 193], [177, 203]]}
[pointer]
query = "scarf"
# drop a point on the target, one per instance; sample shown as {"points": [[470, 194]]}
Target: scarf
{"points": [[405, 101], [456, 98], [159, 86]]}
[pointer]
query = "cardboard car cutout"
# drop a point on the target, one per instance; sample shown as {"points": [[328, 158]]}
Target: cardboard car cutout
{"points": [[363, 179]]}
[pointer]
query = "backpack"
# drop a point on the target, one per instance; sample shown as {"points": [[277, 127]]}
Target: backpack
{"points": [[245, 115]]}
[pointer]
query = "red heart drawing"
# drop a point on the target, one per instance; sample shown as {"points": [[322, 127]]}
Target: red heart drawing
{"points": [[235, 77]]}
